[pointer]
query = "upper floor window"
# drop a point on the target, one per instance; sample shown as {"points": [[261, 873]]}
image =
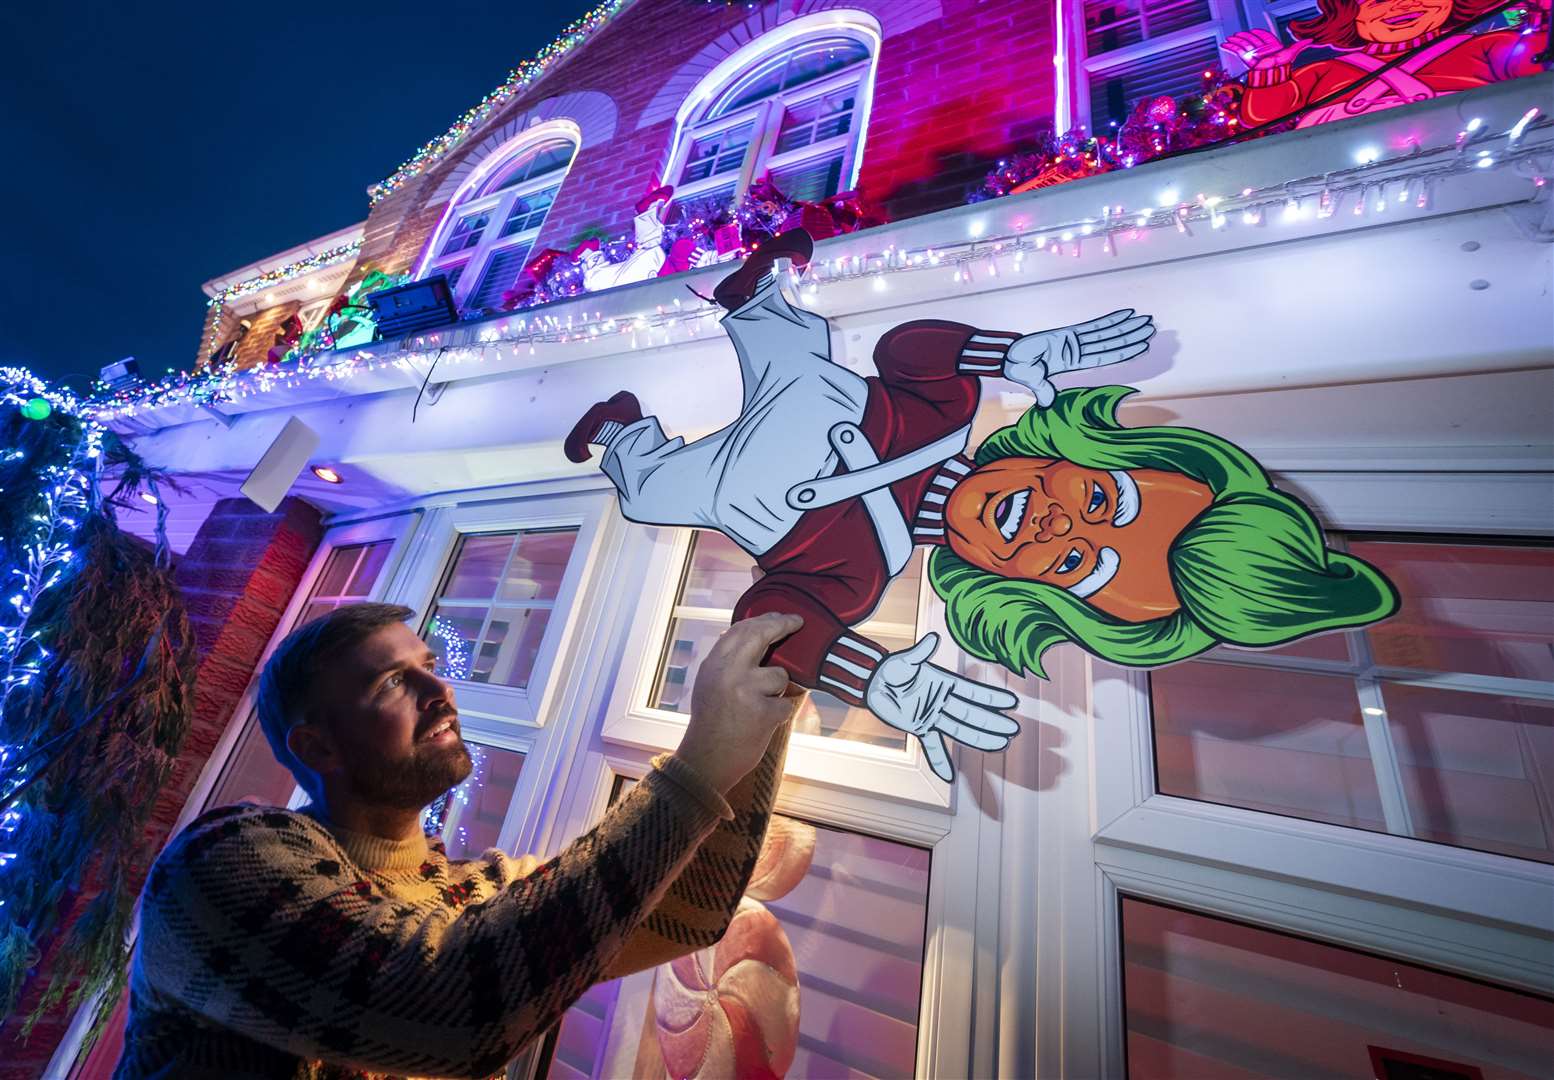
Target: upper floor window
{"points": [[796, 114], [1132, 50], [485, 239]]}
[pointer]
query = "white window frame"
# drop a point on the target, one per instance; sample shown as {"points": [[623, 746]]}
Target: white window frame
{"points": [[1473, 913], [843, 763], [540, 721], [1226, 17], [766, 115], [498, 205]]}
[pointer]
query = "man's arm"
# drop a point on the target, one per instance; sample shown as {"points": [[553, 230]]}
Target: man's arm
{"points": [[696, 910], [240, 929]]}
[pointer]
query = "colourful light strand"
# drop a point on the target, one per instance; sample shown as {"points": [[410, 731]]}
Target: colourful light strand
{"points": [[519, 79]]}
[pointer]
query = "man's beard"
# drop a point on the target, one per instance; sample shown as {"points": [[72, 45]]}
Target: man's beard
{"points": [[413, 784]]}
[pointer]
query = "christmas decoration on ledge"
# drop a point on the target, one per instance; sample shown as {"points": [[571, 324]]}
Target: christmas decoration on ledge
{"points": [[1381, 183], [519, 79], [669, 238], [1378, 65], [349, 320], [260, 282], [96, 667]]}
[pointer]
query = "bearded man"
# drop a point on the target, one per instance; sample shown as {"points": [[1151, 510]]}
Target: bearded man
{"points": [[337, 941]]}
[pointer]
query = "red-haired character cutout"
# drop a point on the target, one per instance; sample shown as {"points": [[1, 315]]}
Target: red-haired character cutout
{"points": [[1371, 34]]}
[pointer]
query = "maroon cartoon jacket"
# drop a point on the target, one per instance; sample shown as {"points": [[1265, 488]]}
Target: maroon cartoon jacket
{"points": [[927, 388]]}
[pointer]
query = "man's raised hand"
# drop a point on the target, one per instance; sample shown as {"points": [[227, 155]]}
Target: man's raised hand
{"points": [[1033, 359], [737, 704], [909, 693]]}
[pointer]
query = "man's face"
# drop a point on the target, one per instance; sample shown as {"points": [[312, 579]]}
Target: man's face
{"points": [[1399, 20], [1066, 525], [392, 722]]}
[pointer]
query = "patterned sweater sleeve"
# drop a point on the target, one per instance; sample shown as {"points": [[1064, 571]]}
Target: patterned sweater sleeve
{"points": [[239, 927], [699, 905]]}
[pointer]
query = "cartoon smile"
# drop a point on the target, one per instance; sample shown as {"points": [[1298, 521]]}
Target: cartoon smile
{"points": [[1010, 512], [1403, 19]]}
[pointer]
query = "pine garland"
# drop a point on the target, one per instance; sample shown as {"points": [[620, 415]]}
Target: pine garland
{"points": [[99, 728]]}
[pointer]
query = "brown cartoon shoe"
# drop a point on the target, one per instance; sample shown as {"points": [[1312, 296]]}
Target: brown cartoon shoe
{"points": [[623, 409], [734, 291]]}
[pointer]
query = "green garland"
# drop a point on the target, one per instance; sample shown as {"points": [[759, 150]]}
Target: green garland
{"points": [[98, 730]]}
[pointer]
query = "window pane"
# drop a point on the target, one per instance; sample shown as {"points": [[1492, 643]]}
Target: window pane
{"points": [[1473, 755], [1176, 73], [488, 624], [805, 63], [466, 234], [1477, 768], [1207, 997], [336, 575], [1484, 609], [478, 565], [368, 569], [811, 181], [815, 121], [252, 775], [1285, 742], [718, 153], [718, 574], [512, 644], [538, 565], [529, 211], [547, 158], [853, 920], [469, 818]]}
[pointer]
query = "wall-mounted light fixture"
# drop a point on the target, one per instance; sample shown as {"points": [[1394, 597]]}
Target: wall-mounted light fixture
{"points": [[326, 474]]}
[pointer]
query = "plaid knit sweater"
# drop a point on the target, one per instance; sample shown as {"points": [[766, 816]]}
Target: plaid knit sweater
{"points": [[273, 944]]}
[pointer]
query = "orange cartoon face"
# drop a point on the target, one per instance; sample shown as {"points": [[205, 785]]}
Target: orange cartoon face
{"points": [[1102, 535], [1386, 21]]}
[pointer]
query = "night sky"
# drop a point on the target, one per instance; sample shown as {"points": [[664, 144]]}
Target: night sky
{"points": [[146, 148]]}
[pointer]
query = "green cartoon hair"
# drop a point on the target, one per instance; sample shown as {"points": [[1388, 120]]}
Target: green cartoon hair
{"points": [[1253, 569]]}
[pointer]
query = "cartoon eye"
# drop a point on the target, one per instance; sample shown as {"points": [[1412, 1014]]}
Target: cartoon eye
{"points": [[1097, 499], [1071, 561]]}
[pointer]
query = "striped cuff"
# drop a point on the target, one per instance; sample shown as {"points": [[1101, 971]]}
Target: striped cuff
{"points": [[1267, 76], [984, 354], [847, 666], [928, 525], [688, 780]]}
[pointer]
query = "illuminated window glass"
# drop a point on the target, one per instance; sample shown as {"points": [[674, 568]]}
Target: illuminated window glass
{"points": [[1209, 997], [484, 245], [488, 621], [469, 818], [855, 923], [1437, 723], [1137, 49], [251, 773], [792, 115], [717, 573]]}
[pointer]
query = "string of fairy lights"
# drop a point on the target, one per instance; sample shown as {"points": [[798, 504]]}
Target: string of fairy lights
{"points": [[49, 520], [1379, 184], [269, 279], [518, 80]]}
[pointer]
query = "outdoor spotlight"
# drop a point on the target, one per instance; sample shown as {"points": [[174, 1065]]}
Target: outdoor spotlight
{"points": [[326, 474], [125, 373]]}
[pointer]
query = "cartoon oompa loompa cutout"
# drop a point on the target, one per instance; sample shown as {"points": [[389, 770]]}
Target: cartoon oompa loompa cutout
{"points": [[1143, 546]]}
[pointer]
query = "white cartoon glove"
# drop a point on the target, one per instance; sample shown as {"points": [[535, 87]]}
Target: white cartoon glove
{"points": [[909, 693], [1033, 359]]}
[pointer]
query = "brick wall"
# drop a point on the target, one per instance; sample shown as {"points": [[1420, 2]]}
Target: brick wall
{"points": [[951, 96], [237, 578]]}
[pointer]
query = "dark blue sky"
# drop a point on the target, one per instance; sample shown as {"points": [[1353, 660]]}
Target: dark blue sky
{"points": [[146, 148]]}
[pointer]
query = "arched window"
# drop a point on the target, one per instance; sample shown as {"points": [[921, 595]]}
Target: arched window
{"points": [[485, 237], [794, 110]]}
